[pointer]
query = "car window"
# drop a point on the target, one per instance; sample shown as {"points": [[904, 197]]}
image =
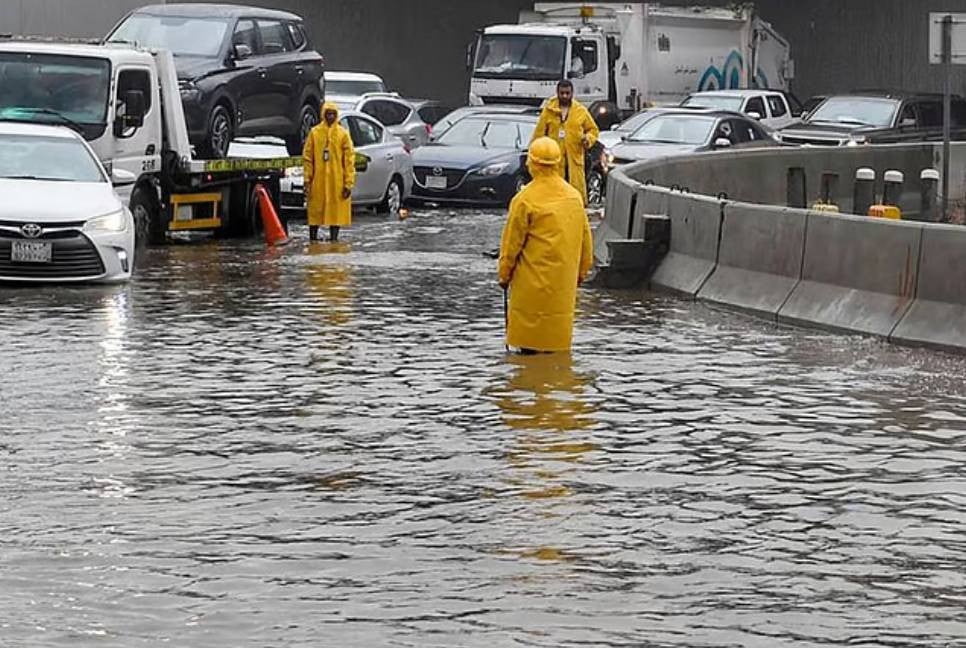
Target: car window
{"points": [[756, 105], [129, 80], [721, 102], [501, 134], [245, 35], [742, 131], [296, 35], [275, 39], [432, 114], [908, 115], [47, 158], [364, 132], [777, 105], [202, 37], [795, 105], [390, 113]]}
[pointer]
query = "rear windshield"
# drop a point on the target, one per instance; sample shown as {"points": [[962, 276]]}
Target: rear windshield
{"points": [[32, 157], [202, 37], [353, 88]]}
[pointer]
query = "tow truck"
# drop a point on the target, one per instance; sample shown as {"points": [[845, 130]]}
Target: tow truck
{"points": [[126, 102]]}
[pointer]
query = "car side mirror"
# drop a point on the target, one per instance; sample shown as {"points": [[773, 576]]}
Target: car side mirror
{"points": [[132, 118], [362, 162], [908, 122], [755, 115], [615, 126], [722, 142], [122, 178], [242, 51]]}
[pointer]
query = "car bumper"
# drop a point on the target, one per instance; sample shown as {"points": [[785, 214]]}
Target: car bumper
{"points": [[77, 257]]}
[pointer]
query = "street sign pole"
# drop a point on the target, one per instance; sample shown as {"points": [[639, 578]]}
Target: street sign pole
{"points": [[947, 57]]}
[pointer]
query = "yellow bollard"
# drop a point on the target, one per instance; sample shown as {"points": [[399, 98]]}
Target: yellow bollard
{"points": [[885, 211]]}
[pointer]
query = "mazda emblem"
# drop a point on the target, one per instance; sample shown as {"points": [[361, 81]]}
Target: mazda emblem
{"points": [[437, 171], [31, 230]]}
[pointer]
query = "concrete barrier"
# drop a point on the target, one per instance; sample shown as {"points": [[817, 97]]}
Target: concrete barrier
{"points": [[759, 258], [938, 316], [858, 274], [651, 201], [620, 199], [693, 251]]}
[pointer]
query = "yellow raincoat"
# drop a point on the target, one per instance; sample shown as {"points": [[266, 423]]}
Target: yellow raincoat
{"points": [[325, 180], [579, 124], [546, 250]]}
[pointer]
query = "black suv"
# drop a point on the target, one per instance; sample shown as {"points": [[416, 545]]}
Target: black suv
{"points": [[877, 117], [243, 71]]}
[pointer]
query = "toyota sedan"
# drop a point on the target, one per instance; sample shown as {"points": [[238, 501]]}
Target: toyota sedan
{"points": [[60, 218]]}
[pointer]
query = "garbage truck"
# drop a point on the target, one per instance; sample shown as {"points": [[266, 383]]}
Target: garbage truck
{"points": [[622, 58], [126, 103]]}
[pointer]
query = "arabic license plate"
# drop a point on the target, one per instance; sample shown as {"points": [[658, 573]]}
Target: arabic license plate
{"points": [[435, 182], [31, 252]]}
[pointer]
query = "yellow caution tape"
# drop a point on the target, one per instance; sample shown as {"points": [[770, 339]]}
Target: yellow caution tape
{"points": [[248, 164]]}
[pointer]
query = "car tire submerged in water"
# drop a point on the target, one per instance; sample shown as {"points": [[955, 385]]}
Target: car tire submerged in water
{"points": [[307, 119], [221, 131], [392, 201]]}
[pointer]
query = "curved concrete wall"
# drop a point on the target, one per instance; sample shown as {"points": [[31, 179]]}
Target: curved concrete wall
{"points": [[901, 280]]}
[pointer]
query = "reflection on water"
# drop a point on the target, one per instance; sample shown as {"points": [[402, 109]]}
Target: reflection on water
{"points": [[326, 445]]}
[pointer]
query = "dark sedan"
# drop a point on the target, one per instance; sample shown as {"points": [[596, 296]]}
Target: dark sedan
{"points": [[691, 131], [479, 160], [243, 71]]}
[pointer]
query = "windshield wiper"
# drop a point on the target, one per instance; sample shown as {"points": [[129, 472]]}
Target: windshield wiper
{"points": [[67, 121], [654, 141], [33, 177]]}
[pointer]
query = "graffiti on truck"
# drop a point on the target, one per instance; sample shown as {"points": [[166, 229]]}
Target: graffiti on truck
{"points": [[728, 76]]}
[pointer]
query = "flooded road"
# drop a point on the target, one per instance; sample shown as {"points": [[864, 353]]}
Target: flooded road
{"points": [[325, 445]]}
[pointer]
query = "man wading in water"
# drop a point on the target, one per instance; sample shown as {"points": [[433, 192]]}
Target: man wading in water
{"points": [[546, 251]]}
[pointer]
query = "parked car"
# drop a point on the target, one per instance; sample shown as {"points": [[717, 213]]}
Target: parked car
{"points": [[243, 71], [346, 89], [611, 138], [875, 118], [772, 108], [479, 160], [384, 168], [60, 218], [691, 131], [400, 116]]}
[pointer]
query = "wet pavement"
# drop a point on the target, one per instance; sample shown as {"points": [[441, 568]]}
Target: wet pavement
{"points": [[325, 445]]}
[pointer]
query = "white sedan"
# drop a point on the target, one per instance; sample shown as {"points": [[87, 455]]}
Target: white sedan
{"points": [[60, 218]]}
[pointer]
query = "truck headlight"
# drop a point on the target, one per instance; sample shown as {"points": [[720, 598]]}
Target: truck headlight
{"points": [[188, 89], [493, 169], [108, 224]]}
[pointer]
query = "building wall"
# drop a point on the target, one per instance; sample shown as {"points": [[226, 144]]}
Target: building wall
{"points": [[418, 46]]}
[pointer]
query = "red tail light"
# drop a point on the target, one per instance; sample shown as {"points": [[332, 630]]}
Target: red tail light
{"points": [[429, 129]]}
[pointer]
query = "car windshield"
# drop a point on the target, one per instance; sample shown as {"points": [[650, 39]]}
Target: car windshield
{"points": [[54, 89], [718, 102], [636, 121], [202, 37], [34, 157], [352, 88], [675, 129], [864, 111], [488, 133], [538, 58]]}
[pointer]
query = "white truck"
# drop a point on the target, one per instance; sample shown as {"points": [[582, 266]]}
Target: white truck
{"points": [[126, 103], [625, 57]]}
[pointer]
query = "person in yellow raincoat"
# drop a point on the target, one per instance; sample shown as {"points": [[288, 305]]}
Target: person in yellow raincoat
{"points": [[567, 121], [330, 173], [546, 251]]}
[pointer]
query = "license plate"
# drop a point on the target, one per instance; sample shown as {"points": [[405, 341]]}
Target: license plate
{"points": [[31, 252], [435, 182]]}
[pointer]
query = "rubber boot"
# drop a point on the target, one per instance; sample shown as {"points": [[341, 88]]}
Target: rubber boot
{"points": [[313, 232], [334, 234]]}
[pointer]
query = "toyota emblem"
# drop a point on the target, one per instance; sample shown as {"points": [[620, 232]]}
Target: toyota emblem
{"points": [[437, 171], [31, 230]]}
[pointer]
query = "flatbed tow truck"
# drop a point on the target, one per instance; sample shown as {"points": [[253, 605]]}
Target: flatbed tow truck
{"points": [[126, 102]]}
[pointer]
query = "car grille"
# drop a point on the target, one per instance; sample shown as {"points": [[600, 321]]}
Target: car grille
{"points": [[453, 176], [814, 141], [73, 257]]}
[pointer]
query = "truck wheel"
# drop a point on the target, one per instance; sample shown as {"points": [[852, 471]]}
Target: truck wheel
{"points": [[307, 119], [148, 228], [392, 202], [221, 131]]}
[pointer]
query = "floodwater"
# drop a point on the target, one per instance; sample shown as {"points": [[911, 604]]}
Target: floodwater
{"points": [[325, 445]]}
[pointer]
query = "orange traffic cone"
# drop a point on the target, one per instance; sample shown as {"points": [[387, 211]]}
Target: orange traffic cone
{"points": [[274, 232]]}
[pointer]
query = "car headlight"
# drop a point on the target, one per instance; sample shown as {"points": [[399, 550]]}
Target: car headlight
{"points": [[107, 224], [188, 88], [295, 172], [493, 169], [609, 160]]}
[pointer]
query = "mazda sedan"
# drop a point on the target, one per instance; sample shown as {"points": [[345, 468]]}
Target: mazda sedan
{"points": [[60, 218]]}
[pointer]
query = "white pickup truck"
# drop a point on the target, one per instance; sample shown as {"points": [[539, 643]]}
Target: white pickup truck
{"points": [[126, 103]]}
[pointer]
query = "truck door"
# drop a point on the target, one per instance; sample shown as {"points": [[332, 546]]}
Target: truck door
{"points": [[137, 150], [588, 68]]}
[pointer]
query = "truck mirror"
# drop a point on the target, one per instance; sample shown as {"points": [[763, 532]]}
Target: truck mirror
{"points": [[130, 116]]}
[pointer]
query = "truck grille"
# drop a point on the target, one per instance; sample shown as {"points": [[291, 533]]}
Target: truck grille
{"points": [[814, 141], [74, 257]]}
